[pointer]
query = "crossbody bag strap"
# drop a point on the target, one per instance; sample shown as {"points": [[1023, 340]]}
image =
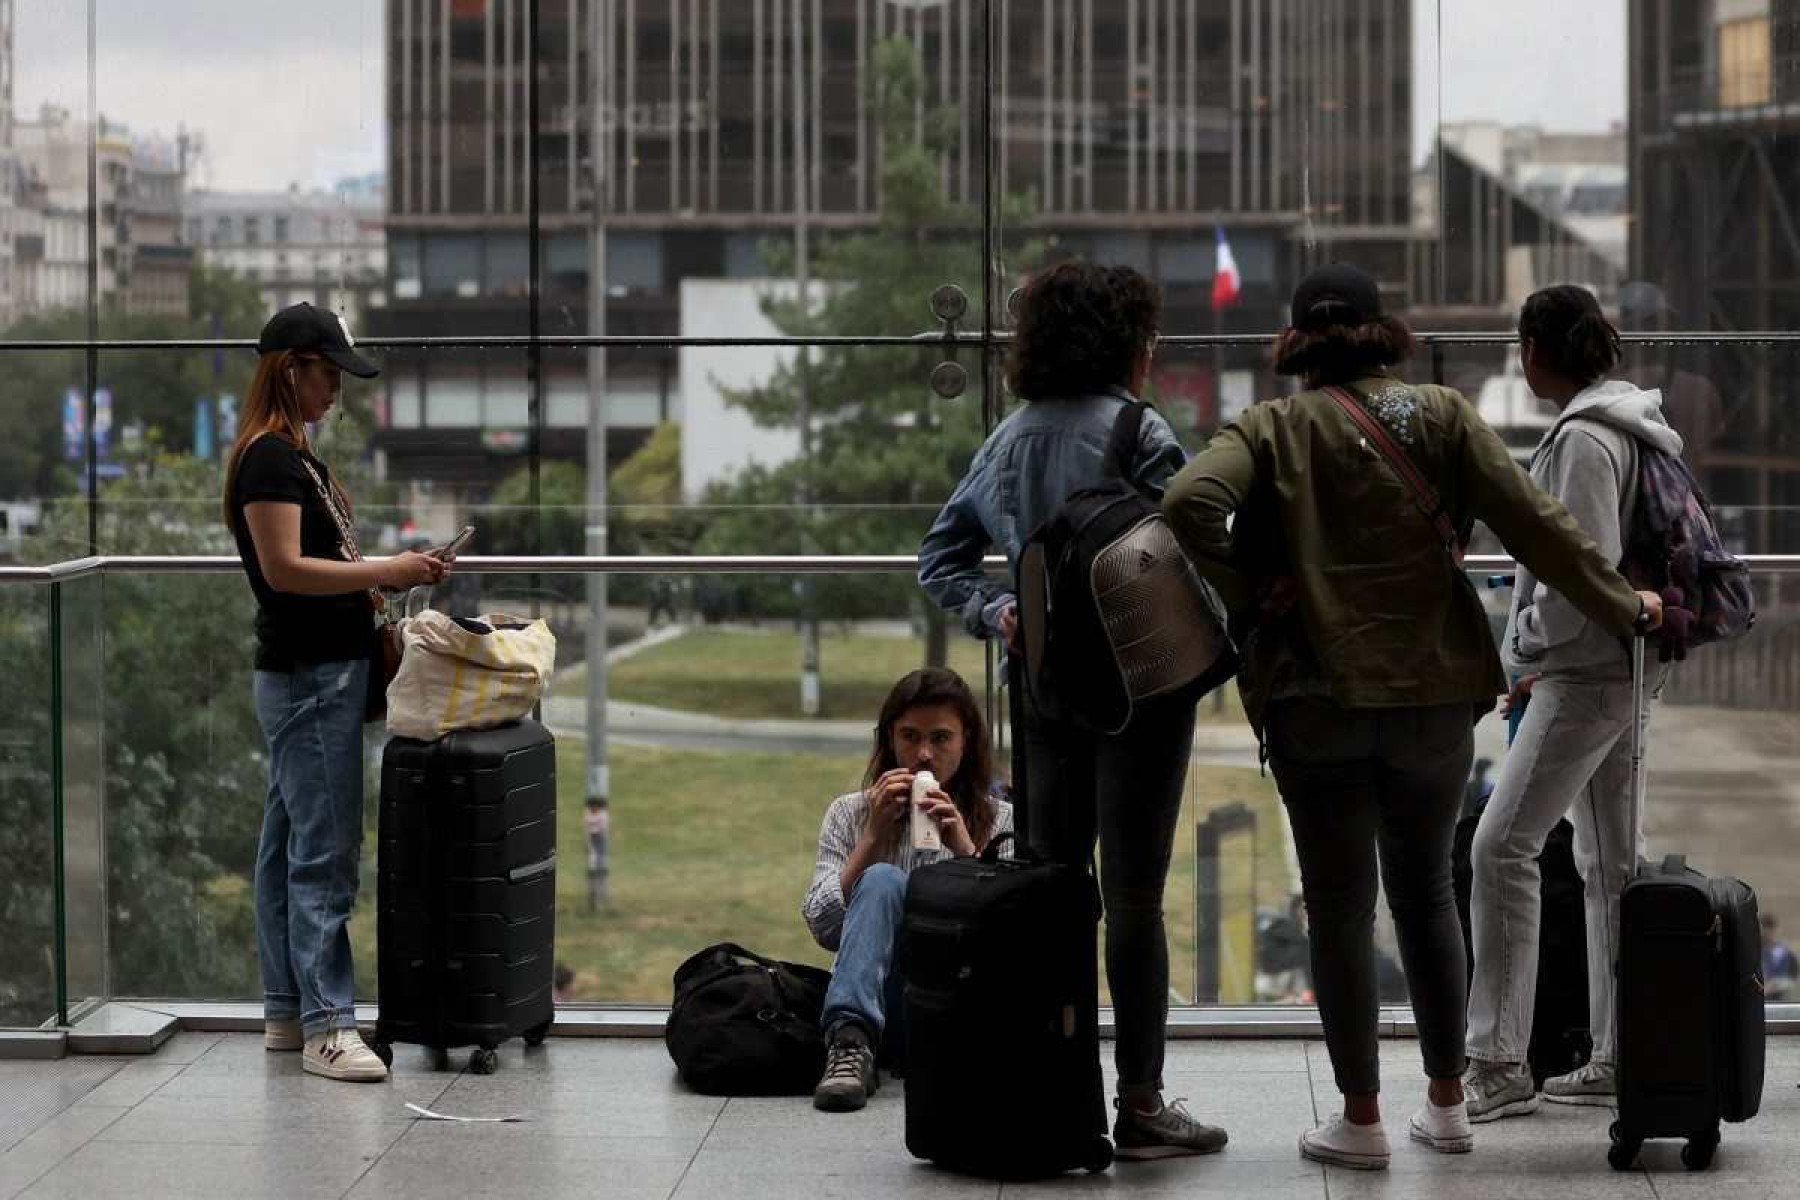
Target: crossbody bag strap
{"points": [[1122, 442], [1426, 497]]}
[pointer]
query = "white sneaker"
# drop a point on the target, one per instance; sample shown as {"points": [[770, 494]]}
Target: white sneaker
{"points": [[1446, 1130], [1594, 1084], [342, 1054], [1497, 1090], [282, 1035], [1359, 1147]]}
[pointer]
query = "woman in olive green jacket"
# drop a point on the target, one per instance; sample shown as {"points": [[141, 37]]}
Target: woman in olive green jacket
{"points": [[1367, 656]]}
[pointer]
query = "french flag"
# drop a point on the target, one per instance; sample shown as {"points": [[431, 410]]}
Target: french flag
{"points": [[1226, 282]]}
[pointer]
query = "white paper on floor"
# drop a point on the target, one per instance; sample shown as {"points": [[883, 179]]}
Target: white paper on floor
{"points": [[428, 1115]]}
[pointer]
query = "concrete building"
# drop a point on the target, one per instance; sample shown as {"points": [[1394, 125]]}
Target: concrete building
{"points": [[328, 248], [142, 266], [1715, 179]]}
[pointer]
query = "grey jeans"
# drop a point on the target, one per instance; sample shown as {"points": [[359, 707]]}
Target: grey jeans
{"points": [[1368, 790], [1571, 755], [1127, 790]]}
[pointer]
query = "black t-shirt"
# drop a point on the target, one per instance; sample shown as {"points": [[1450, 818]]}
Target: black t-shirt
{"points": [[293, 630]]}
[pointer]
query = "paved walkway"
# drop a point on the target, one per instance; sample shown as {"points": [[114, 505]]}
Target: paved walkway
{"points": [[217, 1116]]}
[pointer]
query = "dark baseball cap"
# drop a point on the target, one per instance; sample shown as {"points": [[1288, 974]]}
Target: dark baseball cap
{"points": [[1336, 294], [317, 331]]}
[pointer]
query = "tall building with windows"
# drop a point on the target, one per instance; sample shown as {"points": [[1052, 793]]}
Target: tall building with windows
{"points": [[1131, 129], [1715, 178]]}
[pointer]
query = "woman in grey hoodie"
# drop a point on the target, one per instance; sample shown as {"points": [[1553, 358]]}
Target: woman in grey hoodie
{"points": [[1572, 752]]}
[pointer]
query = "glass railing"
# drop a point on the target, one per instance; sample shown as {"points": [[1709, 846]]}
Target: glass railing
{"points": [[134, 806]]}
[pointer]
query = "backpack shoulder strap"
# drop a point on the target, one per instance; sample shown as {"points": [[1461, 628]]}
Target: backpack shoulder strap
{"points": [[1121, 445], [1429, 503]]}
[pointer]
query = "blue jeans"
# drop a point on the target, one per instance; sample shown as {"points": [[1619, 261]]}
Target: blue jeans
{"points": [[864, 987], [306, 863]]}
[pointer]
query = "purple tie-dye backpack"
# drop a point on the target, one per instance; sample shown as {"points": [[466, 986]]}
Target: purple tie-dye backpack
{"points": [[1674, 542]]}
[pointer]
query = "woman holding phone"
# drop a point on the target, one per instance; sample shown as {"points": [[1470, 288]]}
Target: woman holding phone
{"points": [[296, 536]]}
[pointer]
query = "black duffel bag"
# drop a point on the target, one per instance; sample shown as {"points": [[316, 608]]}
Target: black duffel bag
{"points": [[745, 1025]]}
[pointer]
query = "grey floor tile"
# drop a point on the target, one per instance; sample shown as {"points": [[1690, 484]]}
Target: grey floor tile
{"points": [[516, 1160], [188, 1047], [849, 1175], [137, 1080], [1472, 1180], [33, 1092], [1214, 1176], [50, 1143], [291, 1171], [1202, 1055]]}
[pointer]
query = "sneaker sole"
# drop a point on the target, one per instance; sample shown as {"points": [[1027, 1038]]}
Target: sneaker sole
{"points": [[375, 1074], [1454, 1145], [1345, 1158], [281, 1046], [1161, 1150], [1585, 1099], [1513, 1108], [832, 1102]]}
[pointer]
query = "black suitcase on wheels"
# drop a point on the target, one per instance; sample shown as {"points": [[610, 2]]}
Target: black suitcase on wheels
{"points": [[466, 890], [1002, 984], [1690, 1025]]}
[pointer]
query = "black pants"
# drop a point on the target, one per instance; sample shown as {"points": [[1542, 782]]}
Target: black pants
{"points": [[1126, 790], [1368, 789]]}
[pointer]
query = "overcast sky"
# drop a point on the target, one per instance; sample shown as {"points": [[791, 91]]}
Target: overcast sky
{"points": [[291, 90]]}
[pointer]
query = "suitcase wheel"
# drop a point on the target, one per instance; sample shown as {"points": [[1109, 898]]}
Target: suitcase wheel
{"points": [[1697, 1155], [1100, 1158], [384, 1051], [1624, 1152], [536, 1034], [484, 1060]]}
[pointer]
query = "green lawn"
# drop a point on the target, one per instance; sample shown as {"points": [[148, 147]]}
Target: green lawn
{"points": [[711, 847], [756, 673]]}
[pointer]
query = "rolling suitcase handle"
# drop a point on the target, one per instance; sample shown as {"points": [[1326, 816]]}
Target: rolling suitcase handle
{"points": [[1637, 752]]}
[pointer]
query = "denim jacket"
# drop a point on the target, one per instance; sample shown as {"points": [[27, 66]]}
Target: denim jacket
{"points": [[1027, 467]]}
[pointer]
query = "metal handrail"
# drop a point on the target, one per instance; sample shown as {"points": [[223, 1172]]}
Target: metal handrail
{"points": [[645, 564], [972, 338]]}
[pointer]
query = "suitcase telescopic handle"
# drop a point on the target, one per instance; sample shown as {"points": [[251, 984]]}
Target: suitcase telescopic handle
{"points": [[1637, 752]]}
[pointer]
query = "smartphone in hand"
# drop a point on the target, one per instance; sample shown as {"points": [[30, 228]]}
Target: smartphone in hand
{"points": [[453, 547]]}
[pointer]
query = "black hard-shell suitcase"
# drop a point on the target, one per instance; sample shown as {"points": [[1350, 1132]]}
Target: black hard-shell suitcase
{"points": [[1690, 1026], [466, 891], [1002, 983]]}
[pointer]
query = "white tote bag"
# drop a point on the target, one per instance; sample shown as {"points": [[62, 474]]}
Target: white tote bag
{"points": [[454, 677]]}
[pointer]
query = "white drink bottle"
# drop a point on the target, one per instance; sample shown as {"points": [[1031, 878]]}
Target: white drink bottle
{"points": [[924, 830]]}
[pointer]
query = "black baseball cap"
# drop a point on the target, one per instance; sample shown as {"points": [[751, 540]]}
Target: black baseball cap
{"points": [[318, 331], [1336, 294]]}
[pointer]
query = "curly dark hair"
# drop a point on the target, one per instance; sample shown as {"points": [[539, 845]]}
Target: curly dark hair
{"points": [[1341, 353], [1569, 334], [1081, 328]]}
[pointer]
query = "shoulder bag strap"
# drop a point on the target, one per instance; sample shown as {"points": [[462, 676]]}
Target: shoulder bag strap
{"points": [[1429, 503], [1121, 445]]}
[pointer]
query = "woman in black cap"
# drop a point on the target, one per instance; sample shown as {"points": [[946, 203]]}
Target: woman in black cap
{"points": [[315, 593], [1332, 523]]}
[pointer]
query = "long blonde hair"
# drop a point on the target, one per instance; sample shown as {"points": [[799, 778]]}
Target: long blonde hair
{"points": [[272, 405]]}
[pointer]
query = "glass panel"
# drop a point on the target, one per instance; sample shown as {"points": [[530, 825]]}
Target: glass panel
{"points": [[27, 858], [85, 771]]}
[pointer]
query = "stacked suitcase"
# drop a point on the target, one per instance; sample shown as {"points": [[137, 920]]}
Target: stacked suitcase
{"points": [[466, 891]]}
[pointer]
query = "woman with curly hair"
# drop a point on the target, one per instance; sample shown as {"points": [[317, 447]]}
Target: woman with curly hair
{"points": [[1081, 352]]}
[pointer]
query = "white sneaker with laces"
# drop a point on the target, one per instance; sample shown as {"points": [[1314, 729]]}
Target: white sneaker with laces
{"points": [[1497, 1090], [1446, 1129], [342, 1054], [282, 1035], [1341, 1144], [1595, 1084]]}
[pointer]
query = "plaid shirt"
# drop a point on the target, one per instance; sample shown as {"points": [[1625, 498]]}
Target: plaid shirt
{"points": [[823, 906]]}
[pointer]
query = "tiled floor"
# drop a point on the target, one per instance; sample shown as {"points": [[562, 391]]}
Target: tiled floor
{"points": [[214, 1115]]}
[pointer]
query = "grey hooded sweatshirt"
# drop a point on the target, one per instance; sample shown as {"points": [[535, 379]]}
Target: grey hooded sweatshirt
{"points": [[1589, 461]]}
